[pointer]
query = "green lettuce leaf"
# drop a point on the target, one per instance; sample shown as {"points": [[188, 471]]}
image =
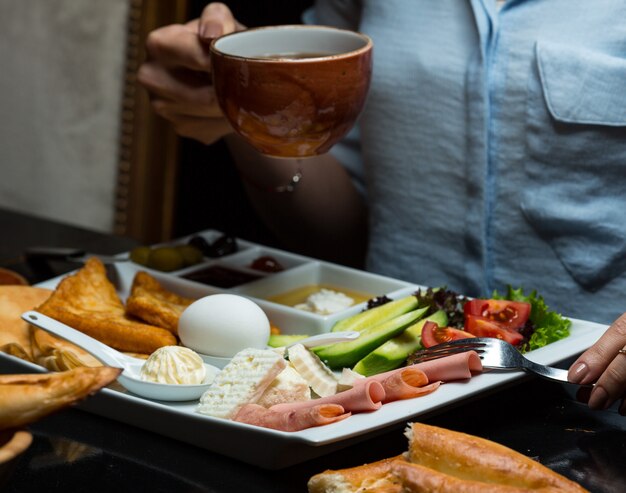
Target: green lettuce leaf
{"points": [[443, 299]]}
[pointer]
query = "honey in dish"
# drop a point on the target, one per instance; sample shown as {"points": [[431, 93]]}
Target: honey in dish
{"points": [[300, 294]]}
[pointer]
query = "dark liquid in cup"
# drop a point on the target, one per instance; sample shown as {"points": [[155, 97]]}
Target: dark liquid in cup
{"points": [[296, 56]]}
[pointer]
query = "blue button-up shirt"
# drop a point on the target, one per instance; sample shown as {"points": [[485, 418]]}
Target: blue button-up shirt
{"points": [[492, 148]]}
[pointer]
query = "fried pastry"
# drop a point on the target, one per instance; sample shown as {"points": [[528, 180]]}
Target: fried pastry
{"points": [[444, 461], [474, 459], [30, 343], [14, 332], [375, 477], [57, 354], [153, 304], [27, 398], [12, 444], [87, 301]]}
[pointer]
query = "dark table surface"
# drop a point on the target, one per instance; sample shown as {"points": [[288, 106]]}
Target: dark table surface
{"points": [[76, 451]]}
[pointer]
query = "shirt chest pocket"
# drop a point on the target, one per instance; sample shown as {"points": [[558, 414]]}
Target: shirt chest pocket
{"points": [[575, 194], [577, 107]]}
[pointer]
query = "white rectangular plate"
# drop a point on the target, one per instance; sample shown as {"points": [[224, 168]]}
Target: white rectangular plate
{"points": [[275, 449]]}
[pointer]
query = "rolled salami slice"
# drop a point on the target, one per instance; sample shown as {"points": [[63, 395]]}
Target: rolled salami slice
{"points": [[291, 419]]}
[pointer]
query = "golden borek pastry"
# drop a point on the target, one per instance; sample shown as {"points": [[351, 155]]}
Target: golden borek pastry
{"points": [[15, 338], [25, 341], [153, 304], [10, 277], [87, 301], [57, 354], [27, 398]]}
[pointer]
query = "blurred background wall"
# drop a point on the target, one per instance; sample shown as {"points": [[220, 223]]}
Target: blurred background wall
{"points": [[78, 140], [60, 93]]}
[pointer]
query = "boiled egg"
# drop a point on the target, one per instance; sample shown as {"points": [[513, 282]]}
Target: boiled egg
{"points": [[223, 324]]}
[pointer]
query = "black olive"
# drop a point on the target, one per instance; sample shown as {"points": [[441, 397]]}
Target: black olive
{"points": [[377, 301], [224, 245], [201, 244]]}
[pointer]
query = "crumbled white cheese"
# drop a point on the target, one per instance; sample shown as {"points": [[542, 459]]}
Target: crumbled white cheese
{"points": [[347, 379], [325, 302], [288, 386], [310, 367]]}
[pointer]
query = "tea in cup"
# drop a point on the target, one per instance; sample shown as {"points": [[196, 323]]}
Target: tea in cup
{"points": [[292, 91]]}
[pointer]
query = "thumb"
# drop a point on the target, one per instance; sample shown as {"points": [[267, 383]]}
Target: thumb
{"points": [[216, 20]]}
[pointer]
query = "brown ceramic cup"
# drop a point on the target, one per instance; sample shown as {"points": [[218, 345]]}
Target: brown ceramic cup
{"points": [[292, 91]]}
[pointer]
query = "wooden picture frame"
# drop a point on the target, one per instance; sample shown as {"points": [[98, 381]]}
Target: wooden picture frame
{"points": [[148, 151]]}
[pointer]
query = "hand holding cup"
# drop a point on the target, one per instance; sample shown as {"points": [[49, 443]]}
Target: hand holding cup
{"points": [[177, 74], [292, 91]]}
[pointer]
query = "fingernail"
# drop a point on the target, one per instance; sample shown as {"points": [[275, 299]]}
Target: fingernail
{"points": [[599, 398], [210, 31], [578, 373]]}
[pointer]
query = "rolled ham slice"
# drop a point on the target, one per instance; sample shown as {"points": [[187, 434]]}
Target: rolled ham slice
{"points": [[368, 396], [413, 381], [291, 419], [459, 366], [406, 384]]}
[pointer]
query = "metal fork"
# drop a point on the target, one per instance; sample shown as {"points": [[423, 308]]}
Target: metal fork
{"points": [[495, 354]]}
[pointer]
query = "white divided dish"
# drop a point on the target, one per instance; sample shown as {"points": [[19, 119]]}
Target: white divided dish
{"points": [[276, 449], [233, 270], [295, 321], [210, 236]]}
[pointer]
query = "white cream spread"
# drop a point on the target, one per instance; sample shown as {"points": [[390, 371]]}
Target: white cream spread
{"points": [[175, 365], [325, 302]]}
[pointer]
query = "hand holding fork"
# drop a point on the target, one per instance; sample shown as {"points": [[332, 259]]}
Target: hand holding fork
{"points": [[494, 354]]}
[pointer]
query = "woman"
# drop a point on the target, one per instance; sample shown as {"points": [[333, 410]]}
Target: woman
{"points": [[491, 152]]}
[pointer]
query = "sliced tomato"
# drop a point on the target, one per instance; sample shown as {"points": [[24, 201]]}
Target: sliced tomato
{"points": [[510, 315], [432, 334], [484, 327]]}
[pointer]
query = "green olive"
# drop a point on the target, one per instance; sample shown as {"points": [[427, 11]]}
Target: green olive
{"points": [[166, 259], [191, 255], [140, 255]]}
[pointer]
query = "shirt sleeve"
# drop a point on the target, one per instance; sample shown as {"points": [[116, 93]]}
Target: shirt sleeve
{"points": [[345, 14]]}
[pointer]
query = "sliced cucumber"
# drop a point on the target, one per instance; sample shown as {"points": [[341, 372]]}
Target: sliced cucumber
{"points": [[346, 354], [393, 353], [280, 340], [376, 316]]}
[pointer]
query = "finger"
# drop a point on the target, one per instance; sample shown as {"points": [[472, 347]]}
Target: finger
{"points": [[611, 385], [205, 130], [184, 88], [593, 362], [216, 20], [192, 25], [178, 46], [169, 109]]}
